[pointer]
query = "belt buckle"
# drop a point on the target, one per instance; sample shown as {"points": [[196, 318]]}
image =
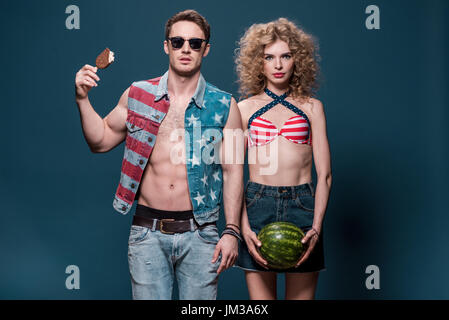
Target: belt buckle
{"points": [[162, 226]]}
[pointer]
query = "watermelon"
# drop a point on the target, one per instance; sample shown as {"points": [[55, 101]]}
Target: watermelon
{"points": [[281, 244]]}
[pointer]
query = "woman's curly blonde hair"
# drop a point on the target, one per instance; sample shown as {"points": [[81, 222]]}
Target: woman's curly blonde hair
{"points": [[250, 55]]}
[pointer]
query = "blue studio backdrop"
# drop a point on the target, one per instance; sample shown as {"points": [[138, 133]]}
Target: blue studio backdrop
{"points": [[385, 96]]}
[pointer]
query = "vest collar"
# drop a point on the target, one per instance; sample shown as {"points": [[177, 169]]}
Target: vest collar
{"points": [[198, 96]]}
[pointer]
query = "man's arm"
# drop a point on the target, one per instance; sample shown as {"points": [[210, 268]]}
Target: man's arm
{"points": [[232, 165], [232, 158], [249, 236], [101, 135]]}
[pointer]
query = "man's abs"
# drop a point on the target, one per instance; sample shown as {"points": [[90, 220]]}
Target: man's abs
{"points": [[164, 183], [163, 191]]}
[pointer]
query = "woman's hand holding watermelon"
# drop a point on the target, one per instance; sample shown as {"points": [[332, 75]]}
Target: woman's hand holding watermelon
{"points": [[252, 242], [309, 240]]}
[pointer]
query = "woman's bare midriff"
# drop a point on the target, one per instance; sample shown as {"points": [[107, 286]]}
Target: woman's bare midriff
{"points": [[280, 163]]}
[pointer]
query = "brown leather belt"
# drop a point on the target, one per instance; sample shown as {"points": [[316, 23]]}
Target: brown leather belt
{"points": [[168, 226]]}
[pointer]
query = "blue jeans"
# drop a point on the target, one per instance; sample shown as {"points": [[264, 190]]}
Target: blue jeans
{"points": [[155, 259]]}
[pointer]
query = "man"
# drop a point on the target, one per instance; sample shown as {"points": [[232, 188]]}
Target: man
{"points": [[173, 126]]}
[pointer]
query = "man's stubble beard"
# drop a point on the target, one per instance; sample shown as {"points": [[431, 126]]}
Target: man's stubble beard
{"points": [[186, 74]]}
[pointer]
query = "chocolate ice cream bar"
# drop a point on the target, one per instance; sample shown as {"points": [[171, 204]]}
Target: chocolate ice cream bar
{"points": [[104, 59]]}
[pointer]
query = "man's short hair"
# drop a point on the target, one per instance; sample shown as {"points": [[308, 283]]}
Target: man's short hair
{"points": [[189, 15]]}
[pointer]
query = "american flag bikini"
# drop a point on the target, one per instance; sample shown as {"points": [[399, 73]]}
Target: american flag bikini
{"points": [[263, 131]]}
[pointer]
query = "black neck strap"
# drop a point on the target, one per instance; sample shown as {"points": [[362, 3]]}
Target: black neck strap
{"points": [[276, 100]]}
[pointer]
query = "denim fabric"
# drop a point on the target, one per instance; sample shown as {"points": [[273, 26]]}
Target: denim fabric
{"points": [[205, 117], [155, 259], [266, 204]]}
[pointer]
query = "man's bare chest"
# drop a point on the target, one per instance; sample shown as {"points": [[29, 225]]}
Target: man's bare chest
{"points": [[173, 122]]}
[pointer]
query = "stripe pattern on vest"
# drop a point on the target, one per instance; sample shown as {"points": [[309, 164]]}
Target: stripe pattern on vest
{"points": [[144, 117]]}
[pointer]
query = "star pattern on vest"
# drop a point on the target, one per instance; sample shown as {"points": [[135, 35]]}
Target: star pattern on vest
{"points": [[192, 119], [224, 101], [215, 175], [204, 180], [217, 118], [212, 194], [199, 198]]}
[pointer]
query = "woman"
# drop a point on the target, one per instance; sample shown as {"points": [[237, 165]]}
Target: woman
{"points": [[277, 67]]}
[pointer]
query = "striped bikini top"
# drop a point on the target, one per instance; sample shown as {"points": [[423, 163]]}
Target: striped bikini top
{"points": [[262, 131]]}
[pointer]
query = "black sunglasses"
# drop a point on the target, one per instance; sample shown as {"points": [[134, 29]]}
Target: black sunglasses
{"points": [[178, 42]]}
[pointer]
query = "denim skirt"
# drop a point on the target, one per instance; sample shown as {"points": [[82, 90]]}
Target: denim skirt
{"points": [[266, 204]]}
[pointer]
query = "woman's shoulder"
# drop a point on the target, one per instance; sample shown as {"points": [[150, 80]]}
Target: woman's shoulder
{"points": [[249, 105], [311, 105], [316, 107], [249, 101]]}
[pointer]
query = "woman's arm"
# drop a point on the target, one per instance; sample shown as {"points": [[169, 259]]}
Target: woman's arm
{"points": [[321, 155], [322, 159]]}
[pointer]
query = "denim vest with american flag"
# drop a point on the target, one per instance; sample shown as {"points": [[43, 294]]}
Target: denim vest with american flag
{"points": [[204, 119]]}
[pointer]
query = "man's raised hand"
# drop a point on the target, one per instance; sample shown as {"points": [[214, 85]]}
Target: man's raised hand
{"points": [[85, 80]]}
